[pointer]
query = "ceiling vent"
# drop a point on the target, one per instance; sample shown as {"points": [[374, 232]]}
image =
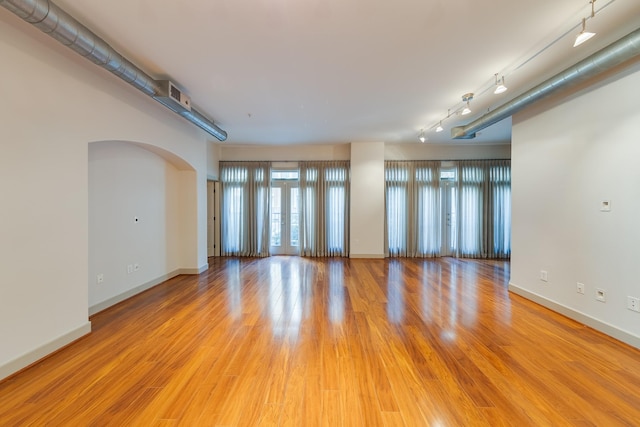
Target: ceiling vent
{"points": [[171, 93]]}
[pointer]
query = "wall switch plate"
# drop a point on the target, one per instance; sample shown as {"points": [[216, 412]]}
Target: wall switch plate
{"points": [[601, 295], [605, 206], [633, 304], [99, 278], [580, 288], [544, 276], [129, 269]]}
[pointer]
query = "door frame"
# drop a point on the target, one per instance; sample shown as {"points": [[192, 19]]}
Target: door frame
{"points": [[285, 247], [449, 214]]}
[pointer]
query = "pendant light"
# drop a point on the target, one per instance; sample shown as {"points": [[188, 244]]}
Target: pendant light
{"points": [[500, 87], [585, 35], [466, 98]]}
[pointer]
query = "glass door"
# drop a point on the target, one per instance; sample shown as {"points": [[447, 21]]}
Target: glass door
{"points": [[285, 217], [449, 204]]}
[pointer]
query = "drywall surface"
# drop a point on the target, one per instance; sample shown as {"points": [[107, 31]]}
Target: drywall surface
{"points": [[569, 157], [54, 103], [367, 200]]}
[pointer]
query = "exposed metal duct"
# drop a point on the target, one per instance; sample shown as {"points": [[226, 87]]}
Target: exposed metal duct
{"points": [[57, 23], [605, 59]]}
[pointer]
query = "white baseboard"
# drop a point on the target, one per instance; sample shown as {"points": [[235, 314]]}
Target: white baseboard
{"points": [[578, 316], [366, 256], [199, 270], [96, 308], [44, 350]]}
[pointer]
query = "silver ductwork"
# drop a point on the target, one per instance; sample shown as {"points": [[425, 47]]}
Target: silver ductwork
{"points": [[605, 59], [57, 23]]}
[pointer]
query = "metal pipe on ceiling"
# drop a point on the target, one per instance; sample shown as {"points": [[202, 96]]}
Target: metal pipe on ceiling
{"points": [[605, 59], [52, 20]]}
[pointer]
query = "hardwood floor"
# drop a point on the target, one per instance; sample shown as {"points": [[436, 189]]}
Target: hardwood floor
{"points": [[288, 341]]}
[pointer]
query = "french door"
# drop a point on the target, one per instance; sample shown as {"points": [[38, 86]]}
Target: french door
{"points": [[449, 205], [285, 218]]}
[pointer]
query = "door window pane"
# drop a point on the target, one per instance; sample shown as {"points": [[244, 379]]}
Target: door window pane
{"points": [[276, 216], [295, 217]]}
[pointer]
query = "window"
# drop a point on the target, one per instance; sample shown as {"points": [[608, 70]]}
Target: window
{"points": [[324, 207], [245, 208], [463, 210]]}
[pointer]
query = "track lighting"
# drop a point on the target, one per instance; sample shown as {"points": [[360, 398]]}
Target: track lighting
{"points": [[422, 137], [466, 98], [585, 35], [500, 87], [439, 128]]}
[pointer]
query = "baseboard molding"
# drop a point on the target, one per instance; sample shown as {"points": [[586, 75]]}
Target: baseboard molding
{"points": [[578, 316], [366, 256], [96, 308], [199, 270], [145, 286], [44, 350]]}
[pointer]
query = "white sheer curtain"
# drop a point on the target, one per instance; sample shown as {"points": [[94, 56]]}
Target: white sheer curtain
{"points": [[324, 222], [485, 209], [414, 221], [470, 209], [245, 208], [412, 197]]}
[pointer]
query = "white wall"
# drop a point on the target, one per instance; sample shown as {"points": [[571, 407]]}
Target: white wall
{"points": [[285, 153], [367, 200], [568, 156], [456, 151], [54, 104], [413, 151], [128, 182], [213, 161]]}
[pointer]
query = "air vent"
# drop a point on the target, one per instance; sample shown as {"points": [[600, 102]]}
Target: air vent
{"points": [[174, 95]]}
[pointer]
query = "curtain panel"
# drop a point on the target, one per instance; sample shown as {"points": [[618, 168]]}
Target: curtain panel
{"points": [[480, 211], [324, 193], [412, 203], [484, 205], [245, 208]]}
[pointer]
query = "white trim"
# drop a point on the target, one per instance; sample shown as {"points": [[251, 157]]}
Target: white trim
{"points": [[44, 350], [199, 270], [367, 256], [96, 308], [578, 316]]}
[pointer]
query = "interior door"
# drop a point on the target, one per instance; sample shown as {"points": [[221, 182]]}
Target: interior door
{"points": [[285, 218]]}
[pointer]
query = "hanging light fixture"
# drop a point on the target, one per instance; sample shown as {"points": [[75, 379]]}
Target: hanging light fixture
{"points": [[422, 138], [439, 128], [500, 87], [466, 98], [585, 35]]}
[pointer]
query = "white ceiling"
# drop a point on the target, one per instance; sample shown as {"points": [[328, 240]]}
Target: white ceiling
{"points": [[337, 71]]}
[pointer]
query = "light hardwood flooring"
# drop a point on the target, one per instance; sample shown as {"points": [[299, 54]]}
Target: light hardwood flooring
{"points": [[288, 341]]}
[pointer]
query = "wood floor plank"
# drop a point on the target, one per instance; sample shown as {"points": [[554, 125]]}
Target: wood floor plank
{"points": [[289, 341]]}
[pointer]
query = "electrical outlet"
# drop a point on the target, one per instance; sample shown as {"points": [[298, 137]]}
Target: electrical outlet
{"points": [[136, 267], [633, 304], [601, 295], [580, 288], [544, 276], [99, 278], [129, 269]]}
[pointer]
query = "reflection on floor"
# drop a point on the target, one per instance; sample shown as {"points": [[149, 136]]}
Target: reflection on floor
{"points": [[332, 341]]}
